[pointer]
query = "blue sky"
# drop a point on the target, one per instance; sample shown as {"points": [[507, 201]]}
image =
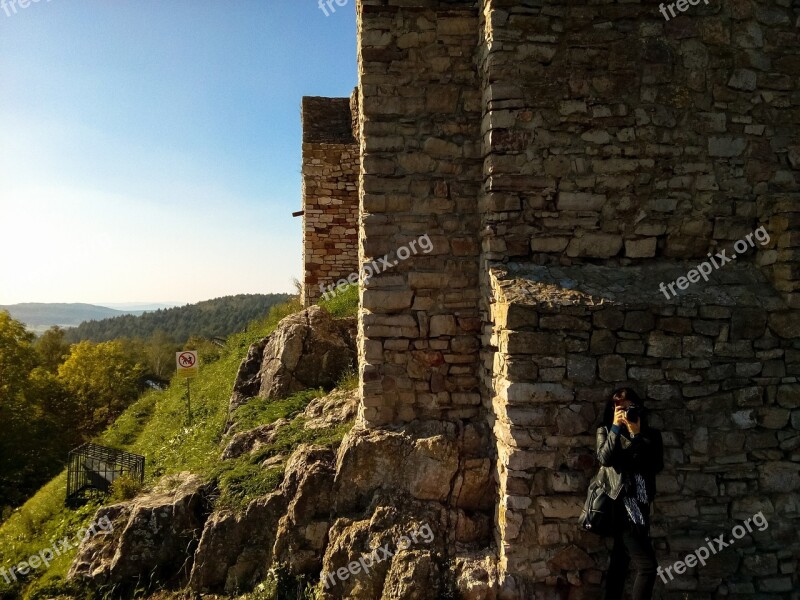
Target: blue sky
{"points": [[150, 150]]}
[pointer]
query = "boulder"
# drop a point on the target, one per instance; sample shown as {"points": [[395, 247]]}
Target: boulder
{"points": [[340, 406], [308, 349], [476, 577], [396, 551], [235, 550], [153, 536], [288, 526], [247, 441]]}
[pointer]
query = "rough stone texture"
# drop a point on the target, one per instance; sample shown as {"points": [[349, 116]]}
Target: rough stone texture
{"points": [[622, 149], [324, 412], [309, 349], [419, 125], [333, 507], [700, 360], [330, 195], [153, 536]]}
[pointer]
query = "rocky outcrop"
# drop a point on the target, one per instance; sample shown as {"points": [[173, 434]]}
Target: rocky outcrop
{"points": [[153, 537], [288, 526], [309, 349], [380, 487], [340, 406], [414, 500]]}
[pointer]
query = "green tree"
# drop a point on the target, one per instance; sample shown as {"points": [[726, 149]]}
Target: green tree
{"points": [[52, 348], [31, 443], [17, 358], [103, 378], [160, 350]]}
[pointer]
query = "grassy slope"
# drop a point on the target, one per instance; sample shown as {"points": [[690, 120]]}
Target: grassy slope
{"points": [[156, 426]]}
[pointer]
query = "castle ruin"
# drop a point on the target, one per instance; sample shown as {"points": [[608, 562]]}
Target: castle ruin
{"points": [[569, 160]]}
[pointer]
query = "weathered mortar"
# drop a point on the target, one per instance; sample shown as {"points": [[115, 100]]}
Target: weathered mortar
{"points": [[330, 194]]}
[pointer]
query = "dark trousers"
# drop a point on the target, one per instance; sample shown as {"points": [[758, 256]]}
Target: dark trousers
{"points": [[632, 548]]}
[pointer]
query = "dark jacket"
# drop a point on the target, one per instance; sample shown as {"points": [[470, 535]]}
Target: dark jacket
{"points": [[621, 456]]}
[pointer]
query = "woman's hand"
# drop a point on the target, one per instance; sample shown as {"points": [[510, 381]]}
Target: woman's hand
{"points": [[620, 419], [619, 416]]}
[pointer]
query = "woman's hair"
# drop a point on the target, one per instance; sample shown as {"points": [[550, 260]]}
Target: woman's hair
{"points": [[619, 395]]}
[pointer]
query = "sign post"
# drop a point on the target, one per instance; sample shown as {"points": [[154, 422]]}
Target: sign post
{"points": [[186, 362]]}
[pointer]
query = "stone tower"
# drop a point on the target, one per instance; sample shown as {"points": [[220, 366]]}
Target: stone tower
{"points": [[569, 161]]}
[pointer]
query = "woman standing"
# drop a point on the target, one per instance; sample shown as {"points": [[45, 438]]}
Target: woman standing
{"points": [[630, 455]]}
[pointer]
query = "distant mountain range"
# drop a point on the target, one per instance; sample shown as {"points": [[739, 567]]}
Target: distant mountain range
{"points": [[217, 317], [39, 316], [211, 318]]}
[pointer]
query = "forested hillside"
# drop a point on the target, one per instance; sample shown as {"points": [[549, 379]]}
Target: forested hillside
{"points": [[154, 425], [52, 397], [218, 317]]}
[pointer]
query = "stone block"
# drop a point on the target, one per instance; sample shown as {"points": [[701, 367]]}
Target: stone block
{"points": [[526, 342], [643, 248], [699, 484], [748, 324], [773, 417], [696, 346], [789, 396], [581, 369], [580, 201], [639, 321], [786, 324], [663, 346], [595, 245], [443, 325], [726, 147], [602, 342], [780, 477], [609, 318], [612, 368], [383, 302], [558, 507]]}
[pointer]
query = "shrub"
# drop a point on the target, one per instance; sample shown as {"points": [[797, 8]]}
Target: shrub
{"points": [[124, 488]]}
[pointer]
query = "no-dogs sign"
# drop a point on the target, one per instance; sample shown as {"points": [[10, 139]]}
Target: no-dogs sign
{"points": [[187, 363]]}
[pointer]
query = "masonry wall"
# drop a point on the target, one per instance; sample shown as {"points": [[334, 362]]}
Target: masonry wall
{"points": [[721, 382], [420, 173], [615, 136], [614, 140], [330, 195], [590, 136]]}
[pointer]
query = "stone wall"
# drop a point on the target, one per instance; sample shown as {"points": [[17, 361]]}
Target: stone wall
{"points": [[720, 373], [566, 158], [614, 135], [330, 194], [614, 138], [421, 164]]}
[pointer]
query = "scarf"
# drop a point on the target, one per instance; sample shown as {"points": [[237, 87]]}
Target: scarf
{"points": [[633, 502]]}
